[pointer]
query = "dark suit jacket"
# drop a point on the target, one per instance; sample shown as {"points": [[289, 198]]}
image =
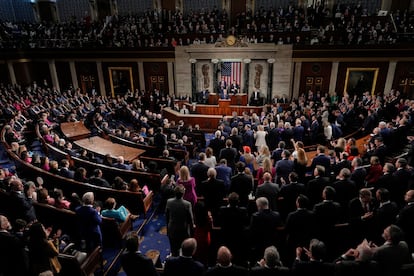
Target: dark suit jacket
{"points": [[230, 155], [283, 168], [213, 191], [384, 215], [287, 197], [270, 191], [300, 227], [232, 270], [358, 176], [390, 257], [345, 191], [323, 160], [302, 268], [183, 266], [199, 172], [21, 207], [242, 184], [65, 172], [137, 264], [13, 258], [315, 187], [405, 220], [89, 223], [356, 268]]}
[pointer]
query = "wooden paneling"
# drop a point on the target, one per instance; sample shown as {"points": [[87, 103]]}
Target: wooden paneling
{"points": [[404, 79], [156, 76], [87, 76], [315, 76]]}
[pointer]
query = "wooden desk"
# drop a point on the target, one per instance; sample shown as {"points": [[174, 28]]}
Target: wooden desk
{"points": [[102, 147], [238, 99], [74, 130]]}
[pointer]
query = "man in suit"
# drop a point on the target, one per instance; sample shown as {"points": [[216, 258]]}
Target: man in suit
{"points": [[21, 202], [234, 88], [89, 220], [225, 266], [133, 261], [263, 227], [179, 218], [256, 98], [13, 259], [184, 264], [405, 218], [222, 85], [402, 177], [203, 97], [224, 173], [233, 221], [345, 190], [268, 190], [98, 180], [315, 186], [242, 184], [213, 191], [361, 215], [284, 167], [64, 169], [358, 172], [120, 163], [380, 150], [199, 171], [393, 253], [289, 193], [322, 159], [385, 214], [229, 153], [270, 264]]}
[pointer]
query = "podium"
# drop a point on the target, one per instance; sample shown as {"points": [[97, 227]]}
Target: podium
{"points": [[238, 99], [224, 106]]}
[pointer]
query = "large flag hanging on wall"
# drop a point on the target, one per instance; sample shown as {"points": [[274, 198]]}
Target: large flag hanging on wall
{"points": [[231, 71]]}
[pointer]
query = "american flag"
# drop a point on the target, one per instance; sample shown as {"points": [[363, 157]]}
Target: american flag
{"points": [[231, 71]]}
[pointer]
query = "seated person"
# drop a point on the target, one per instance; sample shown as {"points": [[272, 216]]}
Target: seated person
{"points": [[234, 88], [203, 96], [256, 98], [120, 214], [224, 94]]}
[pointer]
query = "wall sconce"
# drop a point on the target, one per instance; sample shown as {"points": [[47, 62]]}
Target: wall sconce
{"points": [[192, 60], [271, 60], [214, 60], [247, 60]]}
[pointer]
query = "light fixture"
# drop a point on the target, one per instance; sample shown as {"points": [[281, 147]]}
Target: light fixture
{"points": [[192, 60], [271, 60], [214, 60], [247, 60]]}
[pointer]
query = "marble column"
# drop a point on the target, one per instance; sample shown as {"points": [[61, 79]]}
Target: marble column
{"points": [[73, 74], [390, 77], [296, 80], [246, 72], [141, 76], [171, 74], [12, 75], [334, 76], [102, 89], [53, 74]]}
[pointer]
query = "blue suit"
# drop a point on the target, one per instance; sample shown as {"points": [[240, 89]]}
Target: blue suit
{"points": [[89, 223]]}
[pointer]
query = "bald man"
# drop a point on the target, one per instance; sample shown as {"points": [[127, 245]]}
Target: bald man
{"points": [[184, 264], [224, 265]]}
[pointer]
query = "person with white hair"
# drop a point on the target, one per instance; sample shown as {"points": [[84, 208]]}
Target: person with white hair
{"points": [[270, 264]]}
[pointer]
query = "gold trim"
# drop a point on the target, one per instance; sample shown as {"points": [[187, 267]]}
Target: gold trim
{"points": [[357, 69], [112, 69]]}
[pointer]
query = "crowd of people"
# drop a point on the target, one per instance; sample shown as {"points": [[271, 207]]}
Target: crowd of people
{"points": [[253, 158], [346, 24]]}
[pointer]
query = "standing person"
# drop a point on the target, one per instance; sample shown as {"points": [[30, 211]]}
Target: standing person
{"points": [[260, 137], [263, 227], [89, 220], [184, 265], [225, 266], [213, 191], [199, 170], [241, 183], [133, 261], [229, 153], [270, 264], [189, 184], [21, 202], [179, 218], [268, 189]]}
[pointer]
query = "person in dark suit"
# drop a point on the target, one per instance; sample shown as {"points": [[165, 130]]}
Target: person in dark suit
{"points": [[217, 143], [13, 258], [233, 220], [384, 214], [312, 261], [242, 184], [268, 190], [284, 167], [203, 96], [300, 226], [224, 95], [133, 261], [213, 191], [361, 215], [358, 173], [345, 190], [229, 153], [402, 176], [256, 98], [21, 202], [179, 219], [98, 180], [221, 86], [405, 218], [64, 169], [391, 255], [263, 227], [315, 186], [380, 150], [120, 164], [89, 222], [225, 266], [270, 264], [184, 264], [288, 194], [199, 171], [322, 159], [234, 88]]}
